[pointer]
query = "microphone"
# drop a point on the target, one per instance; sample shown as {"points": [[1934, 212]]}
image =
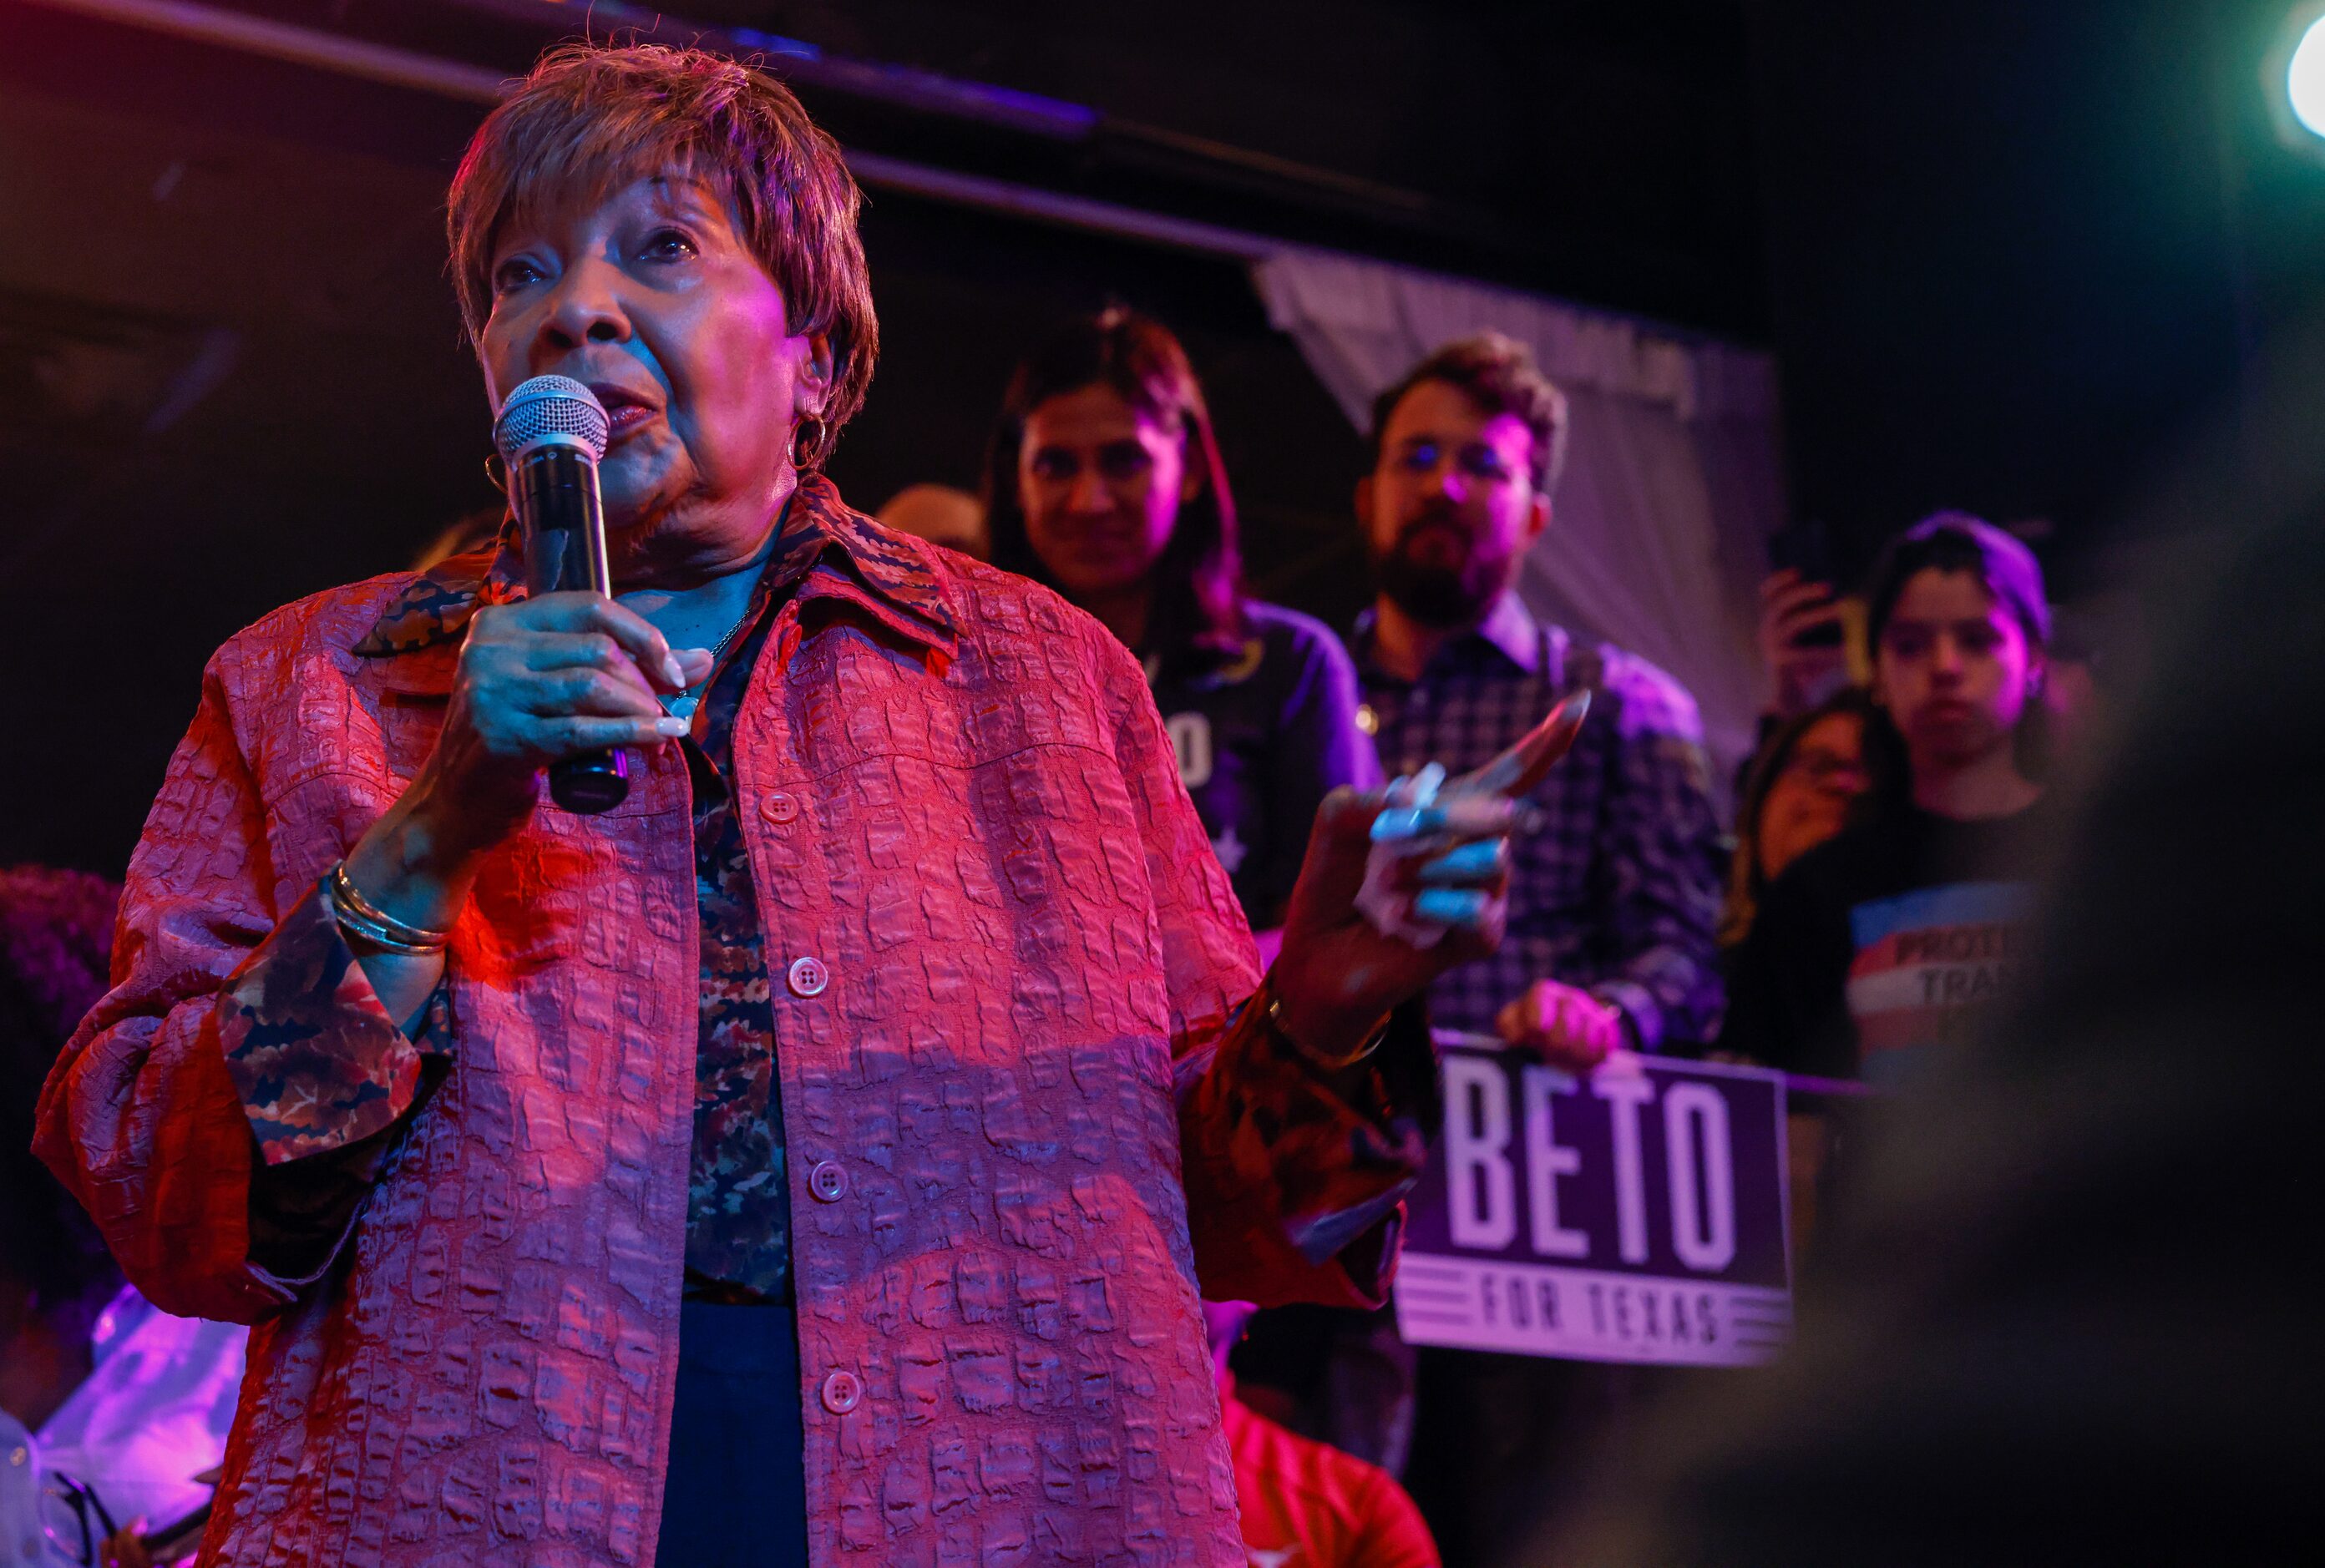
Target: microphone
{"points": [[551, 434]]}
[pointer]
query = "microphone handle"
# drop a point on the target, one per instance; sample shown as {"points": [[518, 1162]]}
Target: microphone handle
{"points": [[556, 493]]}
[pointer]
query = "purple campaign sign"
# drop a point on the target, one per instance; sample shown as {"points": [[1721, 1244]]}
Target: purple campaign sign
{"points": [[1634, 1216]]}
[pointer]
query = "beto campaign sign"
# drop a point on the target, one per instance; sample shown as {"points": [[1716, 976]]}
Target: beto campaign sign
{"points": [[1637, 1214]]}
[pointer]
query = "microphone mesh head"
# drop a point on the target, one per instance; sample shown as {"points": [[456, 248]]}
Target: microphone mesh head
{"points": [[551, 408]]}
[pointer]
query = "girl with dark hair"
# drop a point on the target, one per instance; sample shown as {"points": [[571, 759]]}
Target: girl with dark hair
{"points": [[1797, 794], [1902, 933], [1104, 482]]}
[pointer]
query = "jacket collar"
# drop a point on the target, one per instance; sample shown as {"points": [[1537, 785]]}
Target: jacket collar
{"points": [[1507, 629], [891, 577]]}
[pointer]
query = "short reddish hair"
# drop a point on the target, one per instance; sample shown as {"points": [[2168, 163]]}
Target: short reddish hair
{"points": [[590, 119]]}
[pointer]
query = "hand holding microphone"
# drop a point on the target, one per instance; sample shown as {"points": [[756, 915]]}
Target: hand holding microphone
{"points": [[551, 434], [563, 675], [565, 678], [569, 676]]}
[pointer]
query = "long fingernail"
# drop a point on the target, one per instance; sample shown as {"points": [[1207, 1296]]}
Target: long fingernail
{"points": [[1449, 906], [1479, 813], [671, 671], [1406, 822], [671, 725], [1471, 860]]}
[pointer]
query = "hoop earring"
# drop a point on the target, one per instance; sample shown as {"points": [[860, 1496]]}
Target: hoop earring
{"points": [[807, 443], [497, 472]]}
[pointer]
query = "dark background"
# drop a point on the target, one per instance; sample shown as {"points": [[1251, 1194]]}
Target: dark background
{"points": [[2006, 255]]}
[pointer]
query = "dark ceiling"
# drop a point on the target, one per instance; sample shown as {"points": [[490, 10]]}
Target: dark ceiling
{"points": [[2004, 253]]}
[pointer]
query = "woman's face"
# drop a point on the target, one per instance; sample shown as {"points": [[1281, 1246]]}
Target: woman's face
{"points": [[654, 300], [1954, 669], [1809, 800], [1101, 482]]}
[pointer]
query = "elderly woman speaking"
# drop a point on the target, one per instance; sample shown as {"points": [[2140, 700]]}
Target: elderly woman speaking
{"points": [[819, 1155]]}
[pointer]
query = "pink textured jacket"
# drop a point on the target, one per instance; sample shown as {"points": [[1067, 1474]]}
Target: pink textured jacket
{"points": [[1008, 973]]}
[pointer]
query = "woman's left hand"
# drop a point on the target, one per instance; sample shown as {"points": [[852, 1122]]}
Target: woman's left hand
{"points": [[1339, 973]]}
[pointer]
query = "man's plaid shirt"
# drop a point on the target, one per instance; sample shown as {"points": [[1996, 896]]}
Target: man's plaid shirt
{"points": [[1618, 891]]}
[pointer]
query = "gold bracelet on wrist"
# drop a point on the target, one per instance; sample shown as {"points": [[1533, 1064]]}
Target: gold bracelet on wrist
{"points": [[360, 917], [1274, 1018]]}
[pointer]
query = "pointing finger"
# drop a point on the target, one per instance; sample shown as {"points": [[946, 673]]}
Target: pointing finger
{"points": [[1524, 765], [1459, 817], [1472, 862]]}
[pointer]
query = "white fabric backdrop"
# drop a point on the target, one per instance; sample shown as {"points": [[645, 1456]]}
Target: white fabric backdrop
{"points": [[1674, 477]]}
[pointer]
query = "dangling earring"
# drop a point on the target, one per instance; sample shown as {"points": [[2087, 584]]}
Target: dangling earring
{"points": [[807, 443], [497, 472]]}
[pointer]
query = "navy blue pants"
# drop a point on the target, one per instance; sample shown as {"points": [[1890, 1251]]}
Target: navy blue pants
{"points": [[737, 1492]]}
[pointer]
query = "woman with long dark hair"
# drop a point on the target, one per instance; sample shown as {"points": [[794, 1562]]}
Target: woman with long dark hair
{"points": [[1800, 791], [1899, 935], [1104, 482]]}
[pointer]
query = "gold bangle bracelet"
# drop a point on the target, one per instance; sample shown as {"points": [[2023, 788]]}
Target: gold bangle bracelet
{"points": [[359, 917], [1274, 1018], [360, 932]]}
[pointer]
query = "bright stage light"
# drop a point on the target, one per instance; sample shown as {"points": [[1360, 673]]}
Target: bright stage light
{"points": [[2292, 80], [2304, 79]]}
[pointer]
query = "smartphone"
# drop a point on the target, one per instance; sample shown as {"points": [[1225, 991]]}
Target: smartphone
{"points": [[1806, 547]]}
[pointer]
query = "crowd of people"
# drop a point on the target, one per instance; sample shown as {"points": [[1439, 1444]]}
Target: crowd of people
{"points": [[1872, 822], [1865, 912], [1863, 917]]}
